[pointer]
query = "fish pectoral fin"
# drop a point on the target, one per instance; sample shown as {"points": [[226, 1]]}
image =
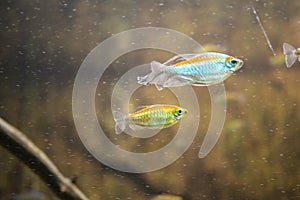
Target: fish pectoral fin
{"points": [[135, 127]]}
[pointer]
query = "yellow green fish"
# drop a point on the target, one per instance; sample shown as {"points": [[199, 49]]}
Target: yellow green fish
{"points": [[153, 116], [191, 69]]}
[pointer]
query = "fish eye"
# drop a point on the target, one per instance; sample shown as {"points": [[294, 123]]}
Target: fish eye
{"points": [[180, 112], [234, 62]]}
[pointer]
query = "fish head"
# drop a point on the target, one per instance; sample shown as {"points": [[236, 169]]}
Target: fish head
{"points": [[233, 64], [297, 52], [179, 113]]}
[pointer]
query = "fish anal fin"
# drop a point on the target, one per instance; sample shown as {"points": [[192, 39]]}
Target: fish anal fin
{"points": [[135, 127], [200, 84]]}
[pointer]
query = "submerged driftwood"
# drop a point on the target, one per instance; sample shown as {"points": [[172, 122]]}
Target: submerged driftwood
{"points": [[22, 147]]}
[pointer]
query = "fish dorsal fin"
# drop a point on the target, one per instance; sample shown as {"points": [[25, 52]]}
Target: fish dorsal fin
{"points": [[179, 58], [141, 107]]}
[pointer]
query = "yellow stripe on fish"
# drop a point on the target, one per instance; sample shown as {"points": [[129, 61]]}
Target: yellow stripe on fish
{"points": [[196, 60]]}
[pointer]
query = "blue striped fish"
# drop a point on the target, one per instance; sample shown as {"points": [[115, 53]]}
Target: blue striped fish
{"points": [[191, 69]]}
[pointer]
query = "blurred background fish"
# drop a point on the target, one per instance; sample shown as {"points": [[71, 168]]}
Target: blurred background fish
{"points": [[191, 69], [166, 197], [154, 117], [213, 48], [234, 125], [291, 54]]}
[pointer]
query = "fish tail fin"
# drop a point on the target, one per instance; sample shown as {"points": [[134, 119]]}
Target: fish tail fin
{"points": [[120, 120], [290, 59], [143, 80], [157, 76], [288, 49], [290, 56]]}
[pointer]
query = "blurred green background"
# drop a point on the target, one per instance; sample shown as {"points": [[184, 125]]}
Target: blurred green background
{"points": [[43, 44]]}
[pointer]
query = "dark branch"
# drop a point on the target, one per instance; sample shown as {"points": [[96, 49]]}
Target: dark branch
{"points": [[22, 147]]}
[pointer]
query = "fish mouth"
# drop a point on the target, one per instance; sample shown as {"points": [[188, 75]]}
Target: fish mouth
{"points": [[239, 65]]}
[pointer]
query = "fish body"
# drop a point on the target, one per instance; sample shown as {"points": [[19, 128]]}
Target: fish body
{"points": [[291, 54], [191, 69], [154, 116]]}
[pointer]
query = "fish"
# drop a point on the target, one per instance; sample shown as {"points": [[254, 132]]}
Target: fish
{"points": [[156, 116], [291, 54], [203, 69], [167, 197]]}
